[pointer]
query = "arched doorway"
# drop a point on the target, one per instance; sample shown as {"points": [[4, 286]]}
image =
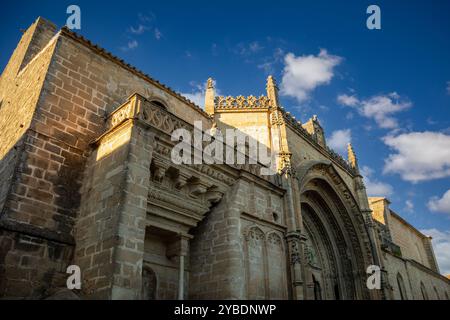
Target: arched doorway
{"points": [[337, 249], [149, 284]]}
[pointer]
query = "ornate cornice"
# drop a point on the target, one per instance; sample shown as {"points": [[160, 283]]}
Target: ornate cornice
{"points": [[240, 102]]}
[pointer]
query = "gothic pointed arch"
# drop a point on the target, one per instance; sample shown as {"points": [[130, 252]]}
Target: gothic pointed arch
{"points": [[401, 287], [276, 266], [332, 214], [255, 261]]}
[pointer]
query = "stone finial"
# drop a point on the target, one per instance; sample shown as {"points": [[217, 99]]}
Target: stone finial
{"points": [[352, 157], [210, 96], [210, 83], [272, 91]]}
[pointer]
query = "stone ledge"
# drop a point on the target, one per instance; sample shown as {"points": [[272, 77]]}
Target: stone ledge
{"points": [[50, 235]]}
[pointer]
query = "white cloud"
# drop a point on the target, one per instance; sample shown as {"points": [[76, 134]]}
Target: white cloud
{"points": [[442, 205], [346, 100], [146, 22], [441, 245], [374, 187], [340, 139], [419, 156], [196, 97], [268, 63], [131, 45], [139, 30], [158, 34], [247, 49], [409, 206], [301, 75], [379, 107], [198, 93]]}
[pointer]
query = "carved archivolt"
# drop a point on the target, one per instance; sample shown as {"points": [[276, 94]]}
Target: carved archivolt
{"points": [[328, 190]]}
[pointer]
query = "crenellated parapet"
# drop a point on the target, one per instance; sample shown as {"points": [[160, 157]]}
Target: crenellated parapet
{"points": [[241, 102]]}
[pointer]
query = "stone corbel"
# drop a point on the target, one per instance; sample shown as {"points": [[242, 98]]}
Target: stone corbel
{"points": [[181, 180], [160, 168], [198, 188], [214, 195]]}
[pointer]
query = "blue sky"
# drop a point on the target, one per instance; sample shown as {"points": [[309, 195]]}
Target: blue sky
{"points": [[388, 90]]}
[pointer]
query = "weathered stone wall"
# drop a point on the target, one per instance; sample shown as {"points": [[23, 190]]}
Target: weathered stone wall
{"points": [[413, 275], [72, 87], [110, 230], [31, 267], [30, 259], [81, 87], [20, 88], [165, 268], [216, 253], [222, 266], [409, 240], [253, 124]]}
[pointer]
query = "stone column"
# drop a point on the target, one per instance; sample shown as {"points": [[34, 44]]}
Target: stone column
{"points": [[180, 248], [131, 228], [294, 236]]}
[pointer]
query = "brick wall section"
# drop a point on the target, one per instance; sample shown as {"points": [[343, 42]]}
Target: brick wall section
{"points": [[29, 264], [110, 231], [413, 275], [19, 93], [31, 267]]}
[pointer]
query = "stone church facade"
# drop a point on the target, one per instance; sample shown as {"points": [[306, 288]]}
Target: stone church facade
{"points": [[86, 179]]}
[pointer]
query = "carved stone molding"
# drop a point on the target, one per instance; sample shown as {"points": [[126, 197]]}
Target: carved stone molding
{"points": [[241, 102]]}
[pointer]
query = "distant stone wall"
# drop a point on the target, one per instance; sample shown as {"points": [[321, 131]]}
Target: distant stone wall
{"points": [[413, 275], [410, 242]]}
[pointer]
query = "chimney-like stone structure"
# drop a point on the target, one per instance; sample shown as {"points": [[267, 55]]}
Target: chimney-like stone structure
{"points": [[209, 97]]}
